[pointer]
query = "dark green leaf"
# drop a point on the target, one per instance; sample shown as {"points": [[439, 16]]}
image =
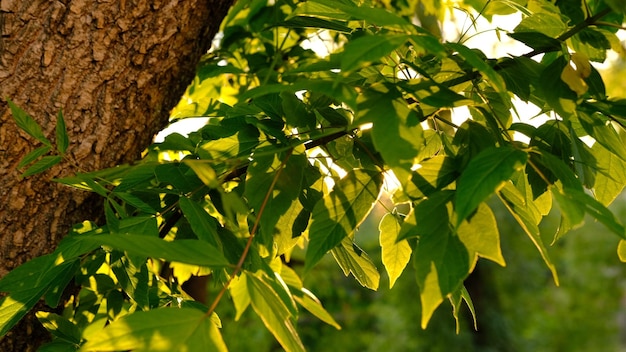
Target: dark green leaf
{"points": [[32, 156], [604, 133], [62, 139], [441, 263], [537, 41], [369, 48], [429, 217], [42, 165], [185, 251], [28, 124], [484, 175], [202, 224]]}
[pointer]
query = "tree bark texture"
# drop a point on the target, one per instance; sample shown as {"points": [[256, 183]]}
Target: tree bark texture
{"points": [[115, 68]]}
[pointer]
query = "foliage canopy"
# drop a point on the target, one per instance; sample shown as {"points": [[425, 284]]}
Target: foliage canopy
{"points": [[297, 149]]}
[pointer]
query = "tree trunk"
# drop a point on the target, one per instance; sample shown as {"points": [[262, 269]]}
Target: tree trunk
{"points": [[115, 68]]}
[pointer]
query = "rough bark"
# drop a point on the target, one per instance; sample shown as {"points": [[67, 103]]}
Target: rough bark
{"points": [[115, 68]]}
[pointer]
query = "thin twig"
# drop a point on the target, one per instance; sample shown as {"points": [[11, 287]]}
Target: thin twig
{"points": [[255, 227]]}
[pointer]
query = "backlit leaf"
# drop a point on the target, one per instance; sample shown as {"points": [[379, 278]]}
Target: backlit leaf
{"points": [[395, 254], [353, 260], [517, 206], [479, 234], [341, 211], [164, 329], [275, 315]]}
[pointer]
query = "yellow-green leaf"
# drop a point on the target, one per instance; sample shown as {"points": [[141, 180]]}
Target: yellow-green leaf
{"points": [[163, 329], [395, 254], [479, 233]]}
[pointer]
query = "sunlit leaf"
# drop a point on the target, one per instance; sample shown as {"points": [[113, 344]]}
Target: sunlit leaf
{"points": [[479, 234], [164, 329], [395, 254], [275, 315], [611, 175], [517, 206], [340, 212], [314, 306], [353, 260], [369, 48]]}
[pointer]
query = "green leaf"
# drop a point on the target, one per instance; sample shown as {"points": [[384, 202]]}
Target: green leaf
{"points": [[341, 211], [313, 22], [239, 293], [195, 252], [274, 313], [433, 175], [479, 234], [484, 175], [441, 263], [604, 133], [555, 92], [519, 73], [479, 63], [456, 299], [369, 48], [27, 283], [32, 156], [429, 217], [62, 139], [353, 259], [28, 124], [537, 41], [574, 204], [42, 165], [611, 175], [282, 173], [517, 206], [202, 224], [132, 277], [163, 329], [548, 23], [395, 254], [59, 327], [204, 172], [314, 306], [396, 132], [135, 202]]}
